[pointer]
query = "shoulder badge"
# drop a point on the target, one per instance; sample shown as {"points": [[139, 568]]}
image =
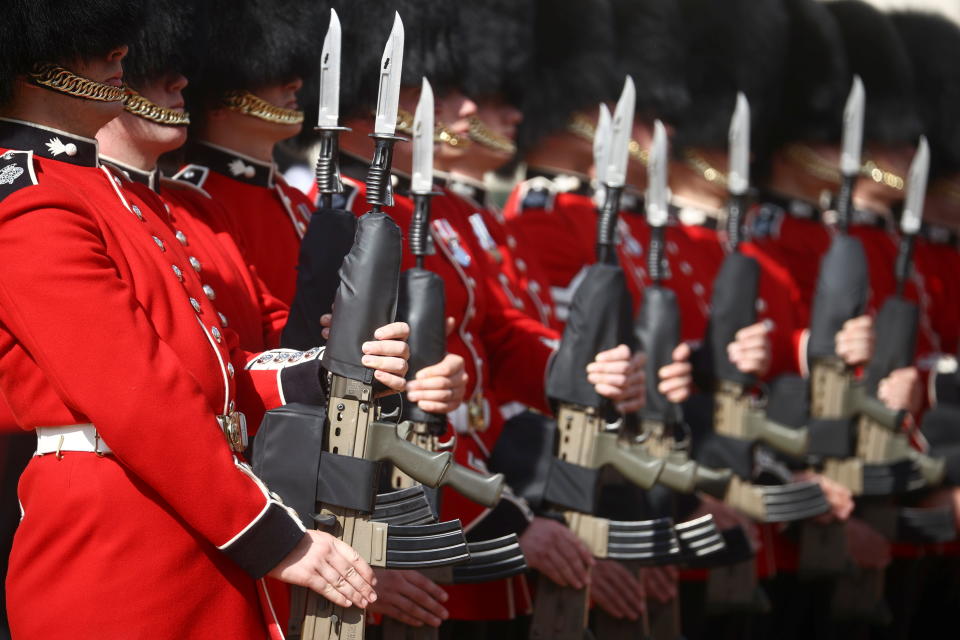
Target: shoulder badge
{"points": [[766, 224], [195, 174], [538, 193], [16, 172], [344, 200]]}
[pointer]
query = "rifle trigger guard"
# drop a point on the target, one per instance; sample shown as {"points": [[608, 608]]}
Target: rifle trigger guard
{"points": [[449, 445]]}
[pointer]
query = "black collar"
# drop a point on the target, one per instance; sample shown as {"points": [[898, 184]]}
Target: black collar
{"points": [[937, 234], [232, 164], [793, 207], [149, 178], [47, 142]]}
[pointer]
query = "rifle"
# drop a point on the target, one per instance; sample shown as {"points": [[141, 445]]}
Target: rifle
{"points": [[599, 320], [421, 305], [330, 234], [733, 307]]}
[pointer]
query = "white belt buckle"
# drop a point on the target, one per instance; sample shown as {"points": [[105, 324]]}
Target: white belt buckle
{"points": [[234, 427]]}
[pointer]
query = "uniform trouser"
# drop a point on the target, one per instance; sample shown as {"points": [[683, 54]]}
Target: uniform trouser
{"points": [[924, 595], [16, 450], [516, 629], [697, 625]]}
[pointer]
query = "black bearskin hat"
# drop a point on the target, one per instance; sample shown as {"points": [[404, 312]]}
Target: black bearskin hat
{"points": [[573, 65], [250, 44], [494, 47], [817, 79], [35, 31], [731, 46], [429, 31], [876, 53], [167, 43], [933, 43], [649, 47]]}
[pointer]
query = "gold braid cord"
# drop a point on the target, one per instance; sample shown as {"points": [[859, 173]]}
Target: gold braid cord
{"points": [[59, 79], [248, 104], [581, 126], [817, 166], [708, 171], [140, 106], [484, 136], [440, 133]]}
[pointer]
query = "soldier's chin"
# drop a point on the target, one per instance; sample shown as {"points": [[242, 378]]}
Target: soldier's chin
{"points": [[105, 111]]}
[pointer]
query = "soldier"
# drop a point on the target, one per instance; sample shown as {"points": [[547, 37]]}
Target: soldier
{"points": [[506, 351], [97, 258], [242, 105]]}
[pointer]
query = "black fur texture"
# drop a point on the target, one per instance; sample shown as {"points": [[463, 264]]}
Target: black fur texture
{"points": [[817, 78], [573, 65], [251, 44], [933, 44], [494, 47], [877, 54], [429, 33], [731, 46], [167, 43], [649, 47], [61, 31]]}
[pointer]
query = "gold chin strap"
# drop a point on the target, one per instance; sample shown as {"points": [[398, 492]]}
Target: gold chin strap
{"points": [[55, 77], [440, 134], [872, 170], [581, 126], [818, 166], [140, 106], [484, 136], [709, 172], [248, 104]]}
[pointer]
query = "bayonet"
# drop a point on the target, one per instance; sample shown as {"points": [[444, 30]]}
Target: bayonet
{"points": [[738, 176], [601, 139], [330, 75], [850, 152], [391, 70], [656, 200], [615, 171], [422, 181], [328, 160], [379, 190], [916, 189], [621, 126]]}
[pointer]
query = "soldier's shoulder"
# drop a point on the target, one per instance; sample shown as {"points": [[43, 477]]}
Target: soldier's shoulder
{"points": [[17, 172], [195, 174]]}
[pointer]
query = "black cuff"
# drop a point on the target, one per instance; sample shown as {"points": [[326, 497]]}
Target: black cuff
{"points": [[268, 541], [303, 383], [505, 518]]}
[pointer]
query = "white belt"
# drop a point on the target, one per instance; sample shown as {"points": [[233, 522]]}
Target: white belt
{"points": [[74, 437]]}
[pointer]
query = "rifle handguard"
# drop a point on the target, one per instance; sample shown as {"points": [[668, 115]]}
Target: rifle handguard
{"points": [[384, 443], [641, 470], [484, 489], [734, 416]]}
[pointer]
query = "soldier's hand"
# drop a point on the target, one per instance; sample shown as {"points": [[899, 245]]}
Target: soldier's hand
{"points": [[902, 390], [676, 378], [553, 550], [617, 591], [868, 548], [854, 342], [410, 597], [750, 350], [618, 375], [388, 354], [660, 582], [838, 496], [325, 321], [439, 388], [330, 567]]}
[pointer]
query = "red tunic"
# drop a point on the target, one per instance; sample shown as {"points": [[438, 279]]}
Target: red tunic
{"points": [[269, 216], [103, 321]]}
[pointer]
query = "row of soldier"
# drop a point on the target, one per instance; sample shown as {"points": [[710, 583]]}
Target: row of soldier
{"points": [[739, 446]]}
